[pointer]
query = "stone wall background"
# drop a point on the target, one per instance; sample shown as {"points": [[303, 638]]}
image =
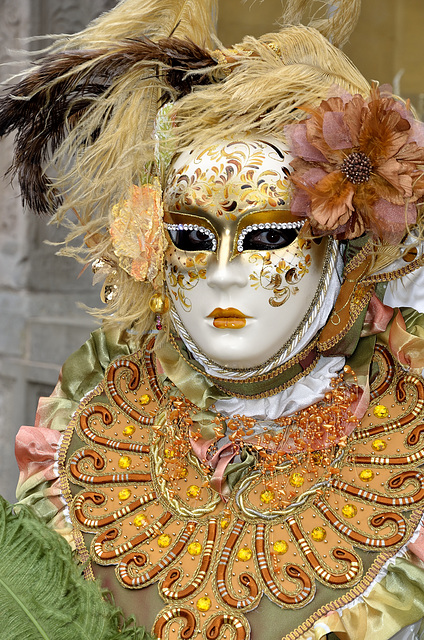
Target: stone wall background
{"points": [[40, 323]]}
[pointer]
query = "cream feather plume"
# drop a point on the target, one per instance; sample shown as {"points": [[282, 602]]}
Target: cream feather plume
{"points": [[155, 19], [335, 19]]}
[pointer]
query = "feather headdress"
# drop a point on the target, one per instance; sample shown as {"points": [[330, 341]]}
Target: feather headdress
{"points": [[89, 109]]}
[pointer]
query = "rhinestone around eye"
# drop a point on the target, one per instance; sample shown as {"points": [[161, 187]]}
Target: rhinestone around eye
{"points": [[267, 225]]}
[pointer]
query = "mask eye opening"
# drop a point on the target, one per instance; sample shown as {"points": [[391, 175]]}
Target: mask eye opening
{"points": [[191, 237], [252, 235]]}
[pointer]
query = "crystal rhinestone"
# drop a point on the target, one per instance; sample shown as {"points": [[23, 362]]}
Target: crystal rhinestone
{"points": [[261, 226], [245, 553], [380, 411], [195, 227], [190, 227], [349, 511], [185, 226], [366, 475], [124, 462], [267, 496], [124, 494], [194, 549], [145, 398], [164, 540], [280, 547], [318, 534], [274, 225], [204, 604], [379, 445], [357, 167], [296, 480], [254, 227], [129, 430], [193, 491], [139, 520]]}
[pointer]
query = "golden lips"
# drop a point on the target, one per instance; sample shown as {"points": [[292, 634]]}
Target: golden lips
{"points": [[228, 318]]}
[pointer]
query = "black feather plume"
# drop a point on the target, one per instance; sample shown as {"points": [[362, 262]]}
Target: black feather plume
{"points": [[52, 99]]}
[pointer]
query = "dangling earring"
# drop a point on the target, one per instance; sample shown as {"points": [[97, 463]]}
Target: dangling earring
{"points": [[159, 304]]}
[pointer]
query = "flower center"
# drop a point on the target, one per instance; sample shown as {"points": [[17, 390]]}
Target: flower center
{"points": [[357, 167]]}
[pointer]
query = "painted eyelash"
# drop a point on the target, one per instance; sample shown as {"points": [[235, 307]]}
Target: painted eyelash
{"points": [[193, 227], [265, 226]]}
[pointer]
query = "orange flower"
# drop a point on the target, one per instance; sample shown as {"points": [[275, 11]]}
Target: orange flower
{"points": [[358, 166], [137, 233]]}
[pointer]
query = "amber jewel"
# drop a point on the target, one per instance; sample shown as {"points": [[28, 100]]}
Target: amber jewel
{"points": [[349, 511], [183, 472], [267, 496], [224, 523], [164, 540], [124, 494], [280, 547], [380, 411], [145, 399], [296, 480], [204, 604], [124, 462], [379, 445], [169, 453], [129, 430], [366, 475], [193, 491], [139, 520], [245, 553], [195, 549], [318, 534]]}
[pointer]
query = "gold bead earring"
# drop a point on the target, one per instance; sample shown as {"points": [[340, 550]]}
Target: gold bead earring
{"points": [[159, 304]]}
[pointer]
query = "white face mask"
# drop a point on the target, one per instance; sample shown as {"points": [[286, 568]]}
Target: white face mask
{"points": [[239, 278]]}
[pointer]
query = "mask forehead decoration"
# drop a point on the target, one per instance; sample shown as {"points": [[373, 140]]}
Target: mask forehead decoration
{"points": [[229, 180], [244, 286]]}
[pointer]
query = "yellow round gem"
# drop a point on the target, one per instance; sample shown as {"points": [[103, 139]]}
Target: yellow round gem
{"points": [[164, 540], [245, 553], [379, 445], [366, 475], [349, 511], [183, 472], [129, 430], [204, 604], [195, 549], [124, 494], [124, 462], [280, 547], [145, 398], [224, 523], [318, 534], [296, 480], [267, 496], [193, 491], [169, 453], [139, 520], [380, 411]]}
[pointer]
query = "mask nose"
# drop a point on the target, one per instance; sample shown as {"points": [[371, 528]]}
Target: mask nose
{"points": [[221, 272]]}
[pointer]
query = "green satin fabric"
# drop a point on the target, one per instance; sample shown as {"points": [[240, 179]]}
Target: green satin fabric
{"points": [[85, 368]]}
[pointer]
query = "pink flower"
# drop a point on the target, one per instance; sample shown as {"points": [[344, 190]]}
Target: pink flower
{"points": [[358, 167]]}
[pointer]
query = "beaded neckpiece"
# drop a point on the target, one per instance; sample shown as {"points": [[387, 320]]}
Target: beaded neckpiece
{"points": [[304, 516]]}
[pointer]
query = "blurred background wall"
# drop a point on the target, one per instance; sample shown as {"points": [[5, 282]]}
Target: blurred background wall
{"points": [[40, 323]]}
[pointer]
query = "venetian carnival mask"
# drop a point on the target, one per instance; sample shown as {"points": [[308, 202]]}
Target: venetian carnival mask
{"points": [[244, 286]]}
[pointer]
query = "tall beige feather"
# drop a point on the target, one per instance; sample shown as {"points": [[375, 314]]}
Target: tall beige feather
{"points": [[338, 22], [156, 19]]}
